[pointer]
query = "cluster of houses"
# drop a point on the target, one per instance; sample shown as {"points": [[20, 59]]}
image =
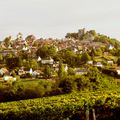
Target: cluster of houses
{"points": [[31, 44], [6, 76]]}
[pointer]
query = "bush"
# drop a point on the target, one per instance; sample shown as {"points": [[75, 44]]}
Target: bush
{"points": [[110, 72], [20, 90], [82, 83], [67, 85]]}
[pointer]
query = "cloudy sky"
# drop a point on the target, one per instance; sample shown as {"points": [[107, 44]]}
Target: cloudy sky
{"points": [[54, 18]]}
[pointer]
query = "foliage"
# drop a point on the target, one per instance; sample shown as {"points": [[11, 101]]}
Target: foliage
{"points": [[46, 51], [25, 90], [33, 64], [47, 71], [13, 62], [82, 83], [24, 55], [118, 61], [63, 107], [110, 72], [85, 57], [69, 57], [71, 71], [1, 57], [67, 85], [61, 71], [30, 38], [72, 35], [7, 41]]}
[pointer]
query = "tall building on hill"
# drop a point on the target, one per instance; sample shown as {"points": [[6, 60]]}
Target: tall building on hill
{"points": [[81, 32]]}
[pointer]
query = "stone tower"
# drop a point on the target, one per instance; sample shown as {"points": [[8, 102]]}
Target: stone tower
{"points": [[81, 32]]}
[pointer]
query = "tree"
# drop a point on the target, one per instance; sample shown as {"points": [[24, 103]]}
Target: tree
{"points": [[30, 38], [47, 71], [66, 85], [7, 41], [118, 62], [19, 36], [24, 55], [52, 51], [46, 51], [85, 57], [98, 52], [33, 64], [82, 82], [71, 71], [68, 57], [61, 71], [9, 55], [72, 35], [92, 32], [1, 57], [13, 62], [95, 77], [92, 53]]}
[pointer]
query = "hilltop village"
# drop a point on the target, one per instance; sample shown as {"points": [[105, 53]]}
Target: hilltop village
{"points": [[31, 67], [30, 57]]}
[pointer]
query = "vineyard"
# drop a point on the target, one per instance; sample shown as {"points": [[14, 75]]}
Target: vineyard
{"points": [[64, 107]]}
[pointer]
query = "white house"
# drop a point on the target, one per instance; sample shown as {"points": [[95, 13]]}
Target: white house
{"points": [[47, 61], [8, 78], [65, 67], [25, 48], [90, 62], [4, 71], [98, 64], [39, 59], [80, 71], [111, 47], [110, 62], [118, 72], [31, 71]]}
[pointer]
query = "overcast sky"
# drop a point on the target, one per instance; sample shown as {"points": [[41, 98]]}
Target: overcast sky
{"points": [[54, 18]]}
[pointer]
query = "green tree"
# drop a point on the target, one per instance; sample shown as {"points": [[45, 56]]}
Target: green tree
{"points": [[24, 55], [46, 51], [98, 52], [1, 57], [118, 62], [92, 32], [19, 36], [7, 41], [93, 52], [9, 55], [82, 82], [47, 71], [95, 77], [71, 71], [52, 51], [72, 35], [30, 38], [85, 57], [13, 62], [66, 85], [33, 64], [68, 57], [61, 71], [26, 64]]}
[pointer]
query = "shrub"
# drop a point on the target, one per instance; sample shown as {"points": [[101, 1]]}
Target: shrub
{"points": [[66, 85]]}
